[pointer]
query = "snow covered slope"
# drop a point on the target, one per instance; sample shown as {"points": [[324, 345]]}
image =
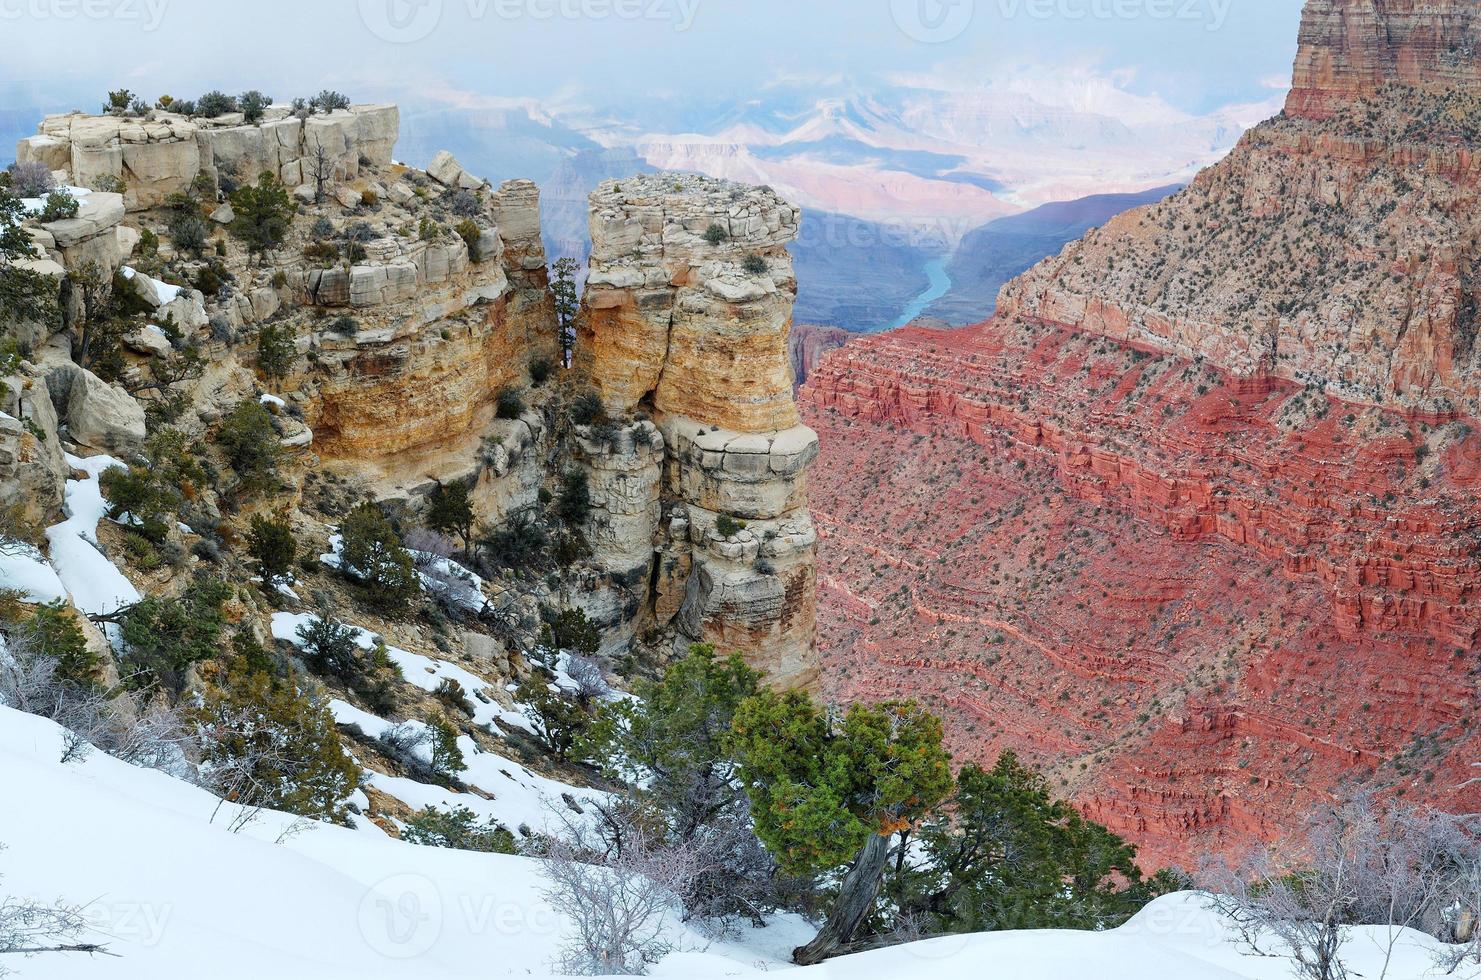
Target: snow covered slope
{"points": [[176, 896]]}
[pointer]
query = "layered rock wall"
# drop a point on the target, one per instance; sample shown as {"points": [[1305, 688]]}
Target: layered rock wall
{"points": [[1348, 51], [158, 156], [685, 318], [1335, 246]]}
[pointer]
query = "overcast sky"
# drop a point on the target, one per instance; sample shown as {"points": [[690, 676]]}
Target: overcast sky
{"points": [[1194, 54]]}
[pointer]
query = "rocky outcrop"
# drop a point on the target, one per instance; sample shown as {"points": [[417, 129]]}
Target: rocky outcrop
{"points": [[1349, 50], [685, 318], [806, 345], [160, 154], [97, 414]]}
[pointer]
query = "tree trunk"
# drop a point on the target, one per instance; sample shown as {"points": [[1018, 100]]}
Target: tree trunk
{"points": [[855, 901]]}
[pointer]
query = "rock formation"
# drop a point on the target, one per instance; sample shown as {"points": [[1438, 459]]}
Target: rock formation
{"points": [[685, 320], [159, 156], [1194, 521], [422, 340], [806, 345]]}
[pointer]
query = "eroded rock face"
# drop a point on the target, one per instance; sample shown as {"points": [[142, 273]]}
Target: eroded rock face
{"points": [[685, 318], [1350, 49], [670, 318], [1193, 522], [161, 154], [1334, 246]]}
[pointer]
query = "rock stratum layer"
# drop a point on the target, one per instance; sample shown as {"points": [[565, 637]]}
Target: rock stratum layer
{"points": [[1195, 520], [685, 320]]}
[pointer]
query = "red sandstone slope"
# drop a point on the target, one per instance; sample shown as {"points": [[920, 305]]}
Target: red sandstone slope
{"points": [[1108, 531]]}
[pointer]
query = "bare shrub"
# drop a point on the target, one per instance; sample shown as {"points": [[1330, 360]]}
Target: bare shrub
{"points": [[431, 544], [621, 886], [143, 733], [29, 928], [30, 179], [1392, 868], [591, 682]]}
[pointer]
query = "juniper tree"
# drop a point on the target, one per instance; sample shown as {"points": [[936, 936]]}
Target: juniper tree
{"points": [[262, 214], [451, 510], [372, 553], [829, 793]]}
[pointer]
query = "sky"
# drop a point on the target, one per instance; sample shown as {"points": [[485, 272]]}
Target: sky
{"points": [[629, 55]]}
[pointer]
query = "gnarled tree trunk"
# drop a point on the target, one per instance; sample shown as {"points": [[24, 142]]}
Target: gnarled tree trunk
{"points": [[855, 901]]}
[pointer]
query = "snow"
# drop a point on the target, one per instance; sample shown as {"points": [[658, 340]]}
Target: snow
{"points": [[95, 583], [171, 892], [34, 205], [424, 672], [26, 570]]}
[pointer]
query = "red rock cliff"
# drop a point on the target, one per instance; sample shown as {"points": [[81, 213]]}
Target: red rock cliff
{"points": [[1195, 521]]}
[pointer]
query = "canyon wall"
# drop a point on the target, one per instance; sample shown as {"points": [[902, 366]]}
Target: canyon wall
{"points": [[684, 326], [1195, 521], [1334, 246]]}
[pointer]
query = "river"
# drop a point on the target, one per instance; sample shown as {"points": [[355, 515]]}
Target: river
{"points": [[939, 285]]}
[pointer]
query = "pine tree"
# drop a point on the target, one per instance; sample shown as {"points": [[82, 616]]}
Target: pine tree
{"points": [[262, 214], [563, 286], [25, 295], [447, 758], [277, 349], [251, 445], [673, 735], [53, 631], [1007, 855], [273, 546], [269, 745], [826, 794], [162, 637], [451, 510]]}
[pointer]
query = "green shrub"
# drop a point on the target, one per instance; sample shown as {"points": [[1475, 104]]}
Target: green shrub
{"points": [[510, 404], [52, 631], [253, 103], [162, 637], [587, 409], [447, 758], [328, 100], [540, 369], [251, 445], [573, 504], [459, 829], [469, 232], [214, 104], [277, 349], [754, 264], [263, 214], [273, 546], [450, 510], [716, 234], [371, 552], [273, 746], [59, 206], [727, 526]]}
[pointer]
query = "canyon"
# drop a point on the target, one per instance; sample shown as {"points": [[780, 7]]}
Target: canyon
{"points": [[1192, 522]]}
